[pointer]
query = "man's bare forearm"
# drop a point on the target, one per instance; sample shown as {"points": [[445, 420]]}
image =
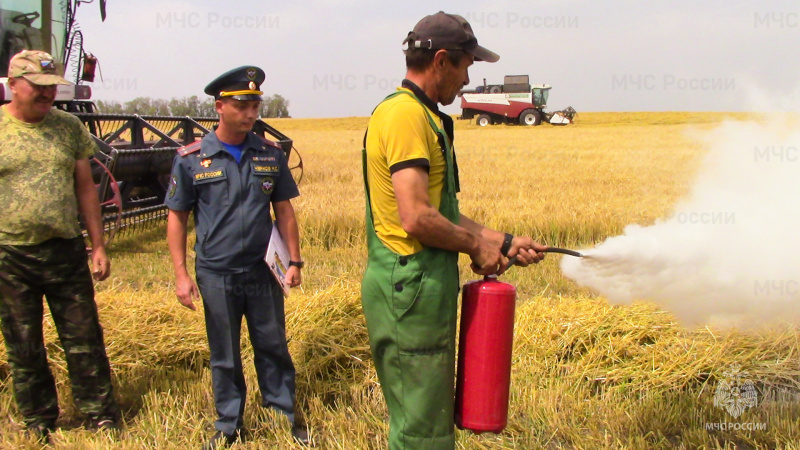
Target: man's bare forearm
{"points": [[493, 236], [432, 229], [286, 221], [88, 202], [424, 222], [176, 241]]}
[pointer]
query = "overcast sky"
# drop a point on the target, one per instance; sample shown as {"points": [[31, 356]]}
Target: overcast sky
{"points": [[339, 58]]}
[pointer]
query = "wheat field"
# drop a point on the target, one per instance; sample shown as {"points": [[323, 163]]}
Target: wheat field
{"points": [[585, 374]]}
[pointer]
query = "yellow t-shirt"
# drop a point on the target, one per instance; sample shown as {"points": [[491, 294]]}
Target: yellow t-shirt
{"points": [[400, 136]]}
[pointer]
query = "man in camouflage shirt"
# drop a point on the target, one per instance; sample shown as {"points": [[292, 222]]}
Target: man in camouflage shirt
{"points": [[45, 180]]}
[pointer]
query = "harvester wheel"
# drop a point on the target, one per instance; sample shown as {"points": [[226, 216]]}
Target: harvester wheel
{"points": [[483, 120], [296, 165], [530, 117]]}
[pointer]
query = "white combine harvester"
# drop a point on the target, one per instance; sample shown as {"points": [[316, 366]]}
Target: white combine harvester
{"points": [[515, 101]]}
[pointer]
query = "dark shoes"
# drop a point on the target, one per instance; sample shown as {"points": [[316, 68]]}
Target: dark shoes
{"points": [[301, 435], [104, 424], [222, 440], [40, 432]]}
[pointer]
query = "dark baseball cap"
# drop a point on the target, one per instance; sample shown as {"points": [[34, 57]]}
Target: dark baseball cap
{"points": [[449, 32]]}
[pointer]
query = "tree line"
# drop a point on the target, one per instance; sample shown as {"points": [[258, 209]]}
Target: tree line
{"points": [[272, 106]]}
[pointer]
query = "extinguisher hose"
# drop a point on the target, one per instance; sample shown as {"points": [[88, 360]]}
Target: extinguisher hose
{"points": [[563, 251]]}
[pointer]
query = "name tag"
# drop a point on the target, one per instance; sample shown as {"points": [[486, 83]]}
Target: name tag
{"points": [[212, 175], [265, 168]]}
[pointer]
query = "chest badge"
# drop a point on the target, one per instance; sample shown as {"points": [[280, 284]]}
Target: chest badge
{"points": [[267, 185], [205, 163]]}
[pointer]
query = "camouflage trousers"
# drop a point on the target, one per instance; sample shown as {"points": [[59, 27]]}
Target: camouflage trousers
{"points": [[56, 269]]}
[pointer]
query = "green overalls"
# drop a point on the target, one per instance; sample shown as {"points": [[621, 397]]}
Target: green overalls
{"points": [[410, 306]]}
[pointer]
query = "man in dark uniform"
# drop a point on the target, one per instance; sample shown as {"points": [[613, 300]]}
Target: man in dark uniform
{"points": [[230, 179]]}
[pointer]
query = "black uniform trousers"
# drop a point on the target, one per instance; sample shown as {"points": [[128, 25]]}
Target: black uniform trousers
{"points": [[258, 297]]}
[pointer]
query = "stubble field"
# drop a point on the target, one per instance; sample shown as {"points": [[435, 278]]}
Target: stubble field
{"points": [[585, 374]]}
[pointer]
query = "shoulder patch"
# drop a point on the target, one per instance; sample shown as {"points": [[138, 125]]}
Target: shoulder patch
{"points": [[270, 143], [189, 149], [267, 141]]}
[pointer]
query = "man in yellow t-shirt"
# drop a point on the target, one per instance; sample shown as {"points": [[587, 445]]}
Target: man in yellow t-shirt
{"points": [[45, 180], [415, 233]]}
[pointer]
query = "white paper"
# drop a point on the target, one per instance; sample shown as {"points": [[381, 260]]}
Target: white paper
{"points": [[277, 258]]}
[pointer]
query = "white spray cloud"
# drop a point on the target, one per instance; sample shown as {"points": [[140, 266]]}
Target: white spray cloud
{"points": [[729, 254]]}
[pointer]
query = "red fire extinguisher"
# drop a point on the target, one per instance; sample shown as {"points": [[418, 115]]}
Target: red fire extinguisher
{"points": [[484, 358]]}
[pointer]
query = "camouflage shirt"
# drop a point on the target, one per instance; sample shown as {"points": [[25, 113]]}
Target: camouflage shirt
{"points": [[37, 177]]}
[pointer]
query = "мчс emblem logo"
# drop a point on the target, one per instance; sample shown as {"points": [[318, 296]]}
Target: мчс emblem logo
{"points": [[735, 392], [267, 185]]}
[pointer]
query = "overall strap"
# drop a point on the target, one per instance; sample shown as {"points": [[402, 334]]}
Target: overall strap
{"points": [[431, 122]]}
